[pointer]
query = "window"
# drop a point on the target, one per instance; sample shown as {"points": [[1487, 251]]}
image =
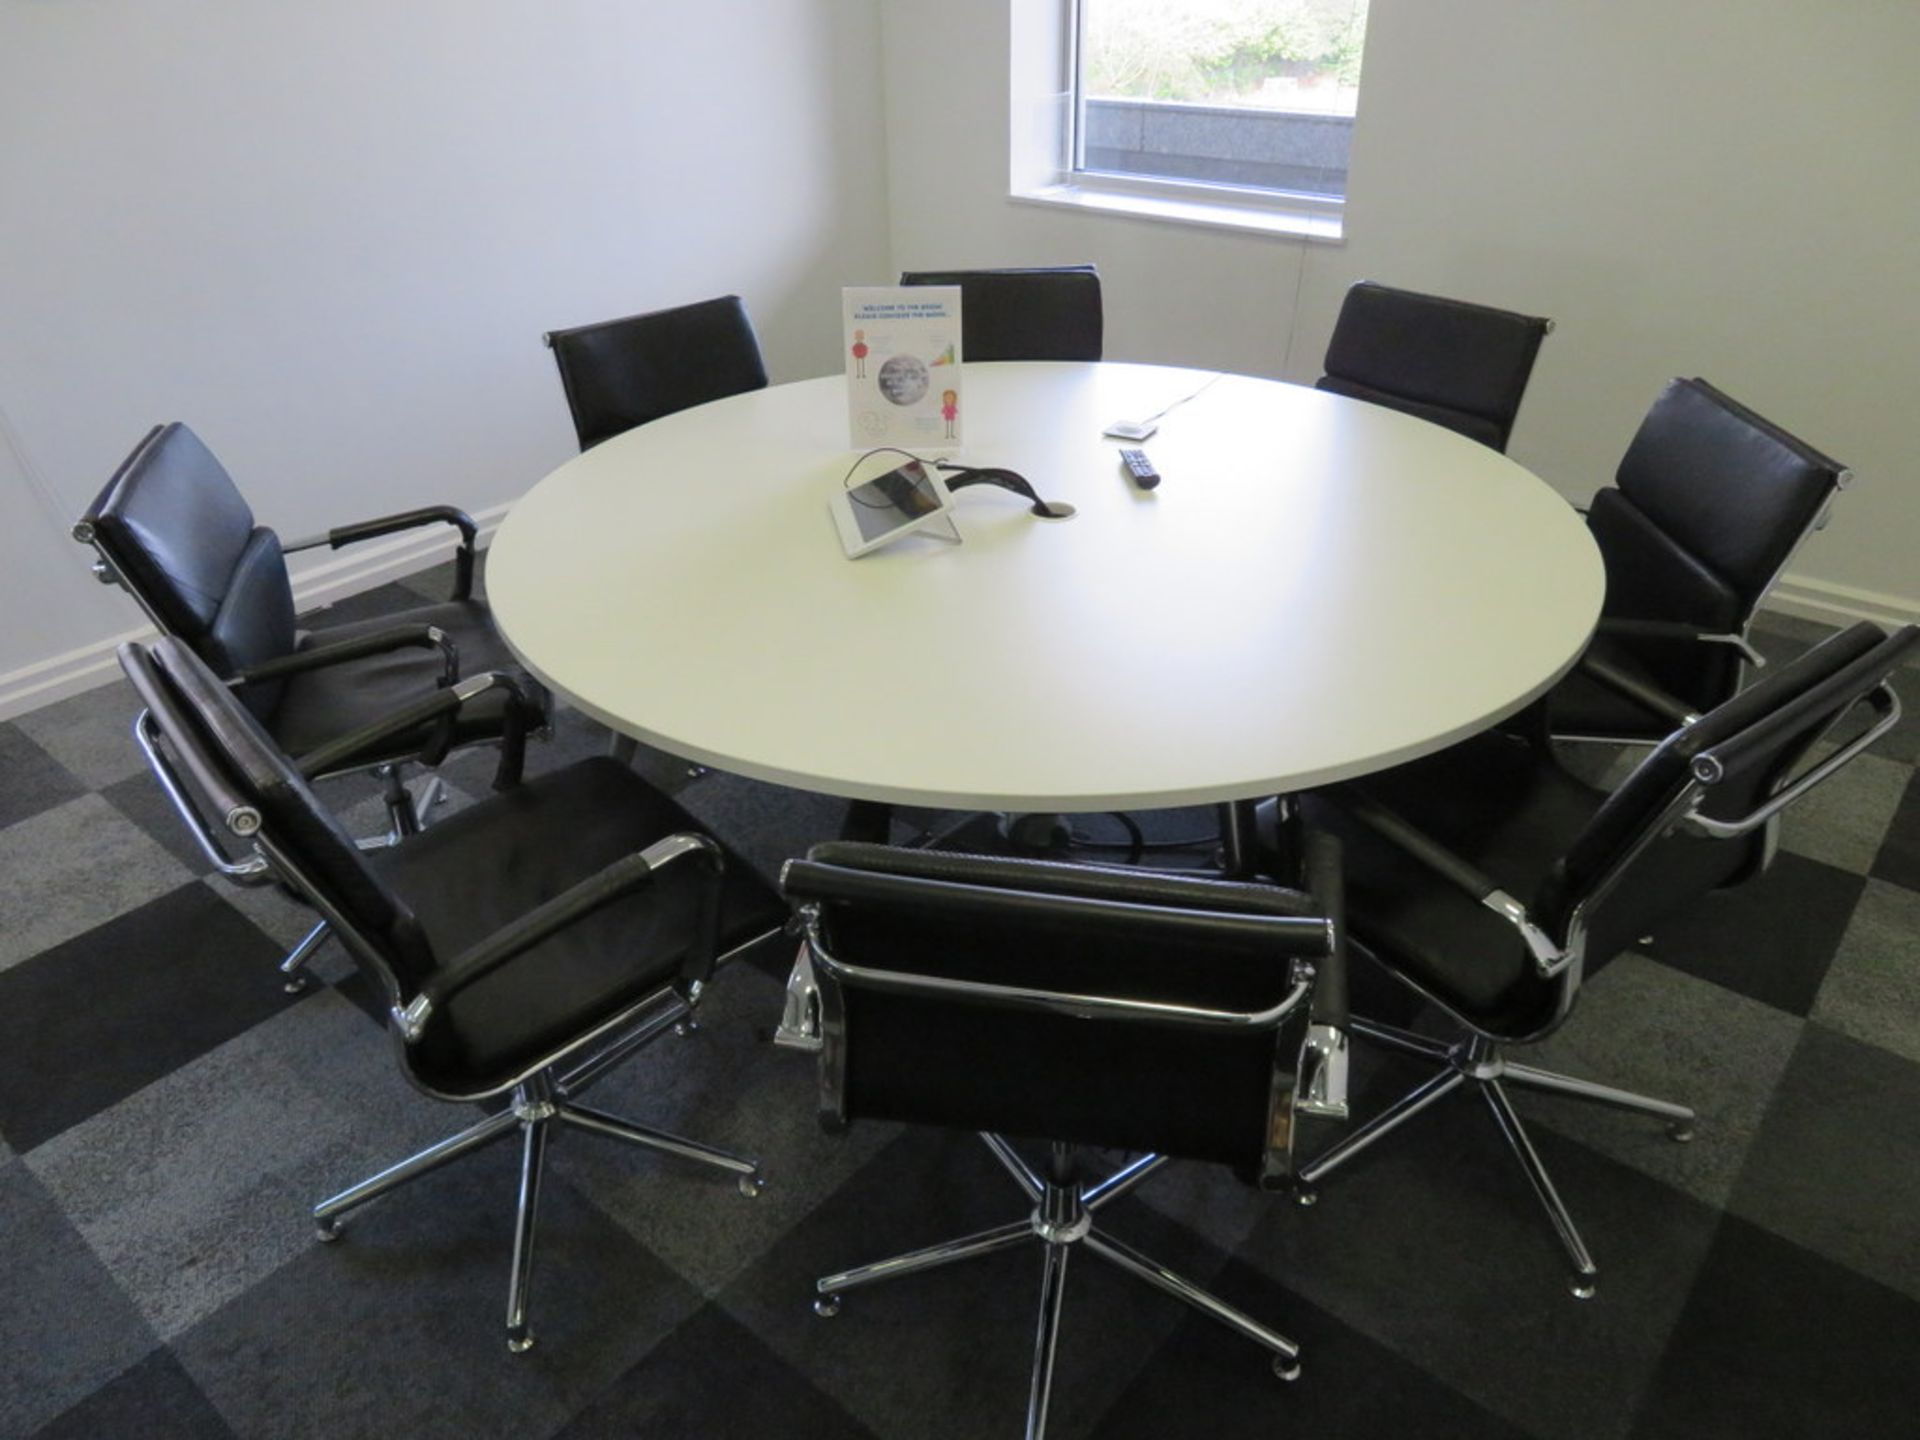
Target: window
{"points": [[1221, 111]]}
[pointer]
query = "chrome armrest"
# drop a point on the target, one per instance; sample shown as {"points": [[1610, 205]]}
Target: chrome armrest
{"points": [[254, 870], [1707, 770]]}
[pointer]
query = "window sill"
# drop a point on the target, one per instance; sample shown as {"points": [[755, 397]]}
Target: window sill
{"points": [[1278, 219]]}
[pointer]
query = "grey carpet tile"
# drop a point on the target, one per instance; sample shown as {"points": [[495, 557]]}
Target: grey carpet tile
{"points": [[155, 1400], [1844, 821], [31, 780], [1872, 989], [1843, 1345], [397, 1327], [65, 1329], [198, 1185], [1433, 1244], [1650, 1029], [727, 1087], [72, 867], [141, 800], [1834, 1164], [91, 733]]}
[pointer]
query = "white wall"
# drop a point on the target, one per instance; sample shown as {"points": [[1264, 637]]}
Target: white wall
{"points": [[1724, 190], [329, 237]]}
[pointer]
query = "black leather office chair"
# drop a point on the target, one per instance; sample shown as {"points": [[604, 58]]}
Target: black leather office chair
{"points": [[1492, 883], [1084, 1006], [173, 530], [522, 946], [623, 373], [1046, 313], [1459, 365], [1710, 502]]}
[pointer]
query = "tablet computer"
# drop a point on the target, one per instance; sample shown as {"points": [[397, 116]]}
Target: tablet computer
{"points": [[874, 512]]}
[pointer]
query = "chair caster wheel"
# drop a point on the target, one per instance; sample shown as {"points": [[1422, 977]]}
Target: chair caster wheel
{"points": [[1680, 1131], [295, 985], [326, 1231], [752, 1185], [1287, 1369], [1583, 1287], [519, 1341], [1304, 1195], [827, 1306], [687, 1027]]}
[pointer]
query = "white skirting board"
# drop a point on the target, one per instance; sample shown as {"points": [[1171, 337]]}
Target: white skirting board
{"points": [[334, 577], [1833, 604]]}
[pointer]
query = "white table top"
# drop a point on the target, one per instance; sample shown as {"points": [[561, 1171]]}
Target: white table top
{"points": [[1320, 588]]}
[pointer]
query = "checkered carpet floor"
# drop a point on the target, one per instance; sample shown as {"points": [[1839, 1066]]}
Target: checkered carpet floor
{"points": [[167, 1115]]}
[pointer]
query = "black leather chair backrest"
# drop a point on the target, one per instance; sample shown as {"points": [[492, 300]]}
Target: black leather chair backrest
{"points": [[1630, 871], [969, 1064], [1460, 365], [1044, 313], [183, 539], [623, 373], [220, 742], [1731, 488]]}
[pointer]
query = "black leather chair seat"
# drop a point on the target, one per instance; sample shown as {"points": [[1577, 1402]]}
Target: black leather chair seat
{"points": [[321, 705], [1490, 433], [1490, 802], [473, 872]]}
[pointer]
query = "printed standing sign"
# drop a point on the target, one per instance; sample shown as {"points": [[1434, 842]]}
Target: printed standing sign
{"points": [[903, 366]]}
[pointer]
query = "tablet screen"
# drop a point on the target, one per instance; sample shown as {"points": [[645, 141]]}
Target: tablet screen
{"points": [[886, 502]]}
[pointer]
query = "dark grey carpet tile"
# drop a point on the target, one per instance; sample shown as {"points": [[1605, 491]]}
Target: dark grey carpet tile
{"points": [[766, 824], [1207, 1371], [1770, 939], [367, 605], [711, 1377], [91, 734], [1834, 1165], [141, 800], [724, 1086], [1899, 860], [65, 1327], [397, 1328], [1432, 1243], [948, 1353], [1844, 821], [31, 780], [96, 1018], [155, 1400], [1777, 1342]]}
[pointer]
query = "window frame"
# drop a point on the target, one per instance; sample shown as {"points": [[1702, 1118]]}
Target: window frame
{"points": [[1046, 160]]}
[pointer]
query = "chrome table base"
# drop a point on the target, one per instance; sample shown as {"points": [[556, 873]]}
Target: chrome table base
{"points": [[1478, 1062], [1062, 1217], [538, 1104]]}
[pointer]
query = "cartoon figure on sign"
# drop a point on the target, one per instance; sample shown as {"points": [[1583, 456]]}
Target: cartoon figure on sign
{"points": [[949, 409], [860, 354]]}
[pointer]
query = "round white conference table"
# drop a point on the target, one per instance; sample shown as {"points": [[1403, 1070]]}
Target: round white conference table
{"points": [[1319, 588]]}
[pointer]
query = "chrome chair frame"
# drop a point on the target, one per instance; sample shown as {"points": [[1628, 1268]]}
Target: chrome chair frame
{"points": [[1307, 1098], [546, 1092], [1478, 1059], [408, 807]]}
